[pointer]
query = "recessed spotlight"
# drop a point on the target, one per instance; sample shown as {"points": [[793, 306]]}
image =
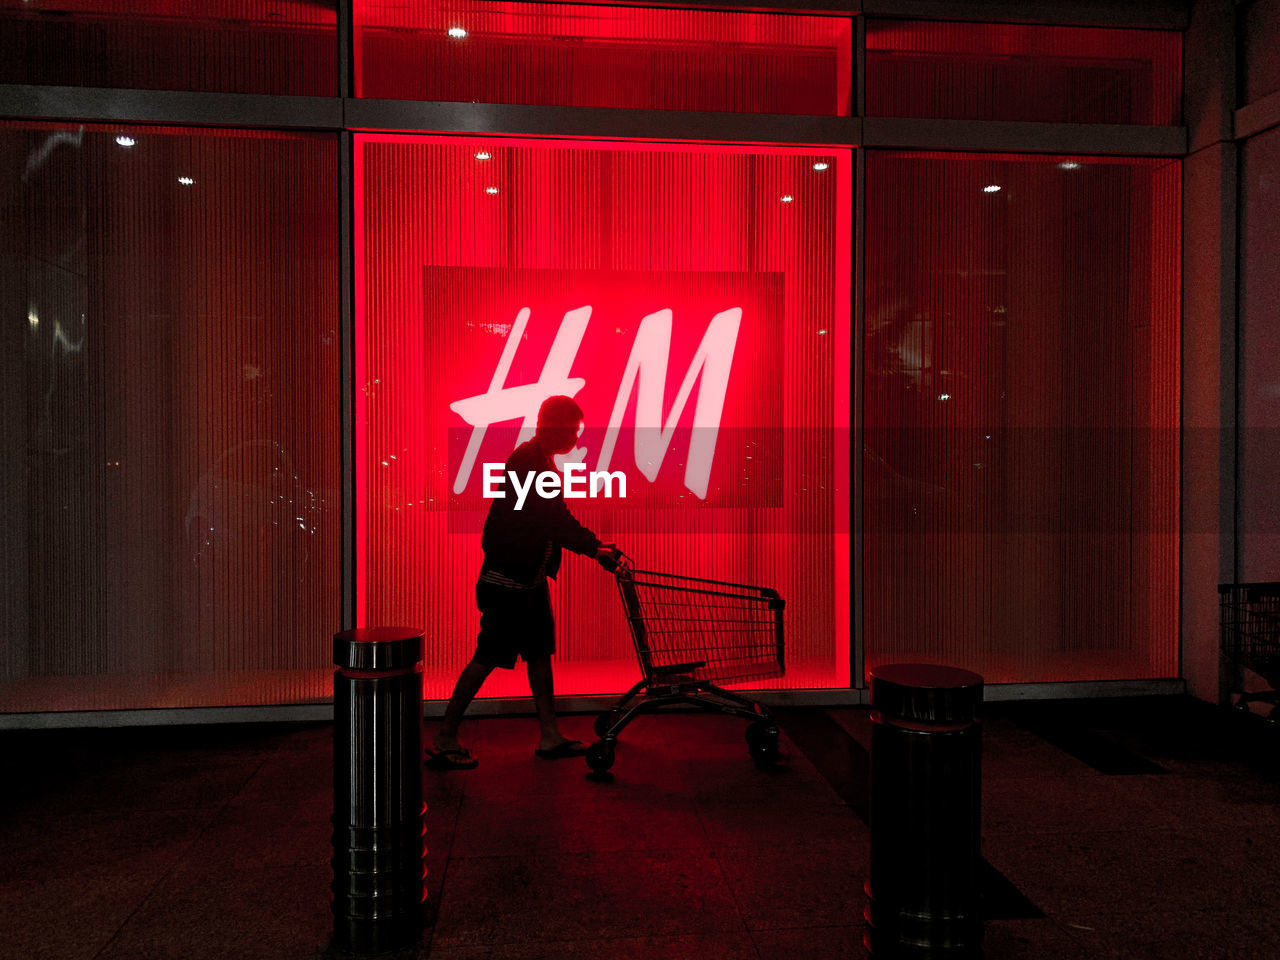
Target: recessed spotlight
{"points": [[457, 33], [944, 396], [186, 181], [820, 165], [1069, 165], [787, 198], [822, 333], [484, 155], [490, 190], [991, 188], [125, 141]]}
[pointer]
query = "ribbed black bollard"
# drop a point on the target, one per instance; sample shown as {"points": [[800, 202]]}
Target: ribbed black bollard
{"points": [[923, 899], [379, 834]]}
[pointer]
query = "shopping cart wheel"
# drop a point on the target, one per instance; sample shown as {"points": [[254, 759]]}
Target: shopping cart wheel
{"points": [[606, 720], [600, 756], [762, 742]]}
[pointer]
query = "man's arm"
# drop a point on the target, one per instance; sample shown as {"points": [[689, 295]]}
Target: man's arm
{"points": [[563, 527]]}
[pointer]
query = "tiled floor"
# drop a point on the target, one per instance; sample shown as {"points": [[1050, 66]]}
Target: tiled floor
{"points": [[1139, 828]]}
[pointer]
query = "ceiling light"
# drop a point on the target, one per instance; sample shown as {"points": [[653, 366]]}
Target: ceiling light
{"points": [[125, 141], [484, 155], [457, 33], [186, 181], [787, 198], [991, 188], [821, 165]]}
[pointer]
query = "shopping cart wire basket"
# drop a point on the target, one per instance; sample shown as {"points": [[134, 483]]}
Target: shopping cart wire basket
{"points": [[1250, 640], [691, 634]]}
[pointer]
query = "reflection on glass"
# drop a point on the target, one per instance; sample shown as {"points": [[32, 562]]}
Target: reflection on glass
{"points": [[1021, 412], [171, 527], [251, 46]]}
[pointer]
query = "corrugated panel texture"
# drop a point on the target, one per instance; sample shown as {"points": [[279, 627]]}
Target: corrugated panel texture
{"points": [[171, 408], [215, 46], [1005, 71], [1021, 396], [584, 55]]}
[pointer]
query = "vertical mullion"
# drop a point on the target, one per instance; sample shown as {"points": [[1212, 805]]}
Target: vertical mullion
{"points": [[860, 66], [346, 334], [344, 48], [346, 307]]}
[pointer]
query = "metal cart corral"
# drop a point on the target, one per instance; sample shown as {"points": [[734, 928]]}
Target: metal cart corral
{"points": [[1250, 639], [691, 634]]}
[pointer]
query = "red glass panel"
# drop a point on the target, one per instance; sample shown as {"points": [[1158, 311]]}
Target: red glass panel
{"points": [[245, 46], [493, 51], [171, 525], [1021, 425], [471, 254], [1004, 71]]}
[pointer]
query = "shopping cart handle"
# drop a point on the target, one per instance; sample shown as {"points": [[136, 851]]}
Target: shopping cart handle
{"points": [[615, 561]]}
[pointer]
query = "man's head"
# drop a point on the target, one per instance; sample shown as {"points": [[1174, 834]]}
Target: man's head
{"points": [[559, 422]]}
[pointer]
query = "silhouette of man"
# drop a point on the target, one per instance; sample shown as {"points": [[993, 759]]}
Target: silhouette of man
{"points": [[521, 549]]}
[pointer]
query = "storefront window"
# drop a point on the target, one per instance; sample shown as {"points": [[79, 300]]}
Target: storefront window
{"points": [[1005, 71], [697, 289], [582, 55], [252, 46], [172, 498], [1020, 460]]}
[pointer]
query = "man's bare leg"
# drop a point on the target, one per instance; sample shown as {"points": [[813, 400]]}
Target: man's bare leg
{"points": [[542, 687], [470, 680]]}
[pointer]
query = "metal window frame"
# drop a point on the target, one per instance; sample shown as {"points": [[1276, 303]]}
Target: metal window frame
{"points": [[345, 115]]}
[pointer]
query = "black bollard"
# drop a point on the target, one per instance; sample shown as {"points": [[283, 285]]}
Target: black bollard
{"points": [[923, 897], [379, 834]]}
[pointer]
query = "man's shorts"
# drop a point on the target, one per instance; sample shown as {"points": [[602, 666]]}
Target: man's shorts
{"points": [[513, 622]]}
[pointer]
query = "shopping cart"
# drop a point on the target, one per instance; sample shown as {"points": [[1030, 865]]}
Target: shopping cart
{"points": [[690, 634], [1250, 625]]}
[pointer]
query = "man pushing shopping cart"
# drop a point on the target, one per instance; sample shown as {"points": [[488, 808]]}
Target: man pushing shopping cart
{"points": [[522, 542], [690, 633]]}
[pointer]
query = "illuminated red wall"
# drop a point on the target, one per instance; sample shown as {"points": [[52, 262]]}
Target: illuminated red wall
{"points": [[584, 55], [1021, 450], [444, 268]]}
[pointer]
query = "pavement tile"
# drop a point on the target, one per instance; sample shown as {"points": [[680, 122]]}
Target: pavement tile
{"points": [[50, 845], [747, 824], [263, 913], [1087, 878], [717, 946], [811, 943], [1039, 939], [72, 915], [817, 885], [1021, 806], [496, 900], [611, 817]]}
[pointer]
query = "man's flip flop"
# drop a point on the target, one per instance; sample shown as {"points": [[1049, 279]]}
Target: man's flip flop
{"points": [[451, 760], [563, 751]]}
